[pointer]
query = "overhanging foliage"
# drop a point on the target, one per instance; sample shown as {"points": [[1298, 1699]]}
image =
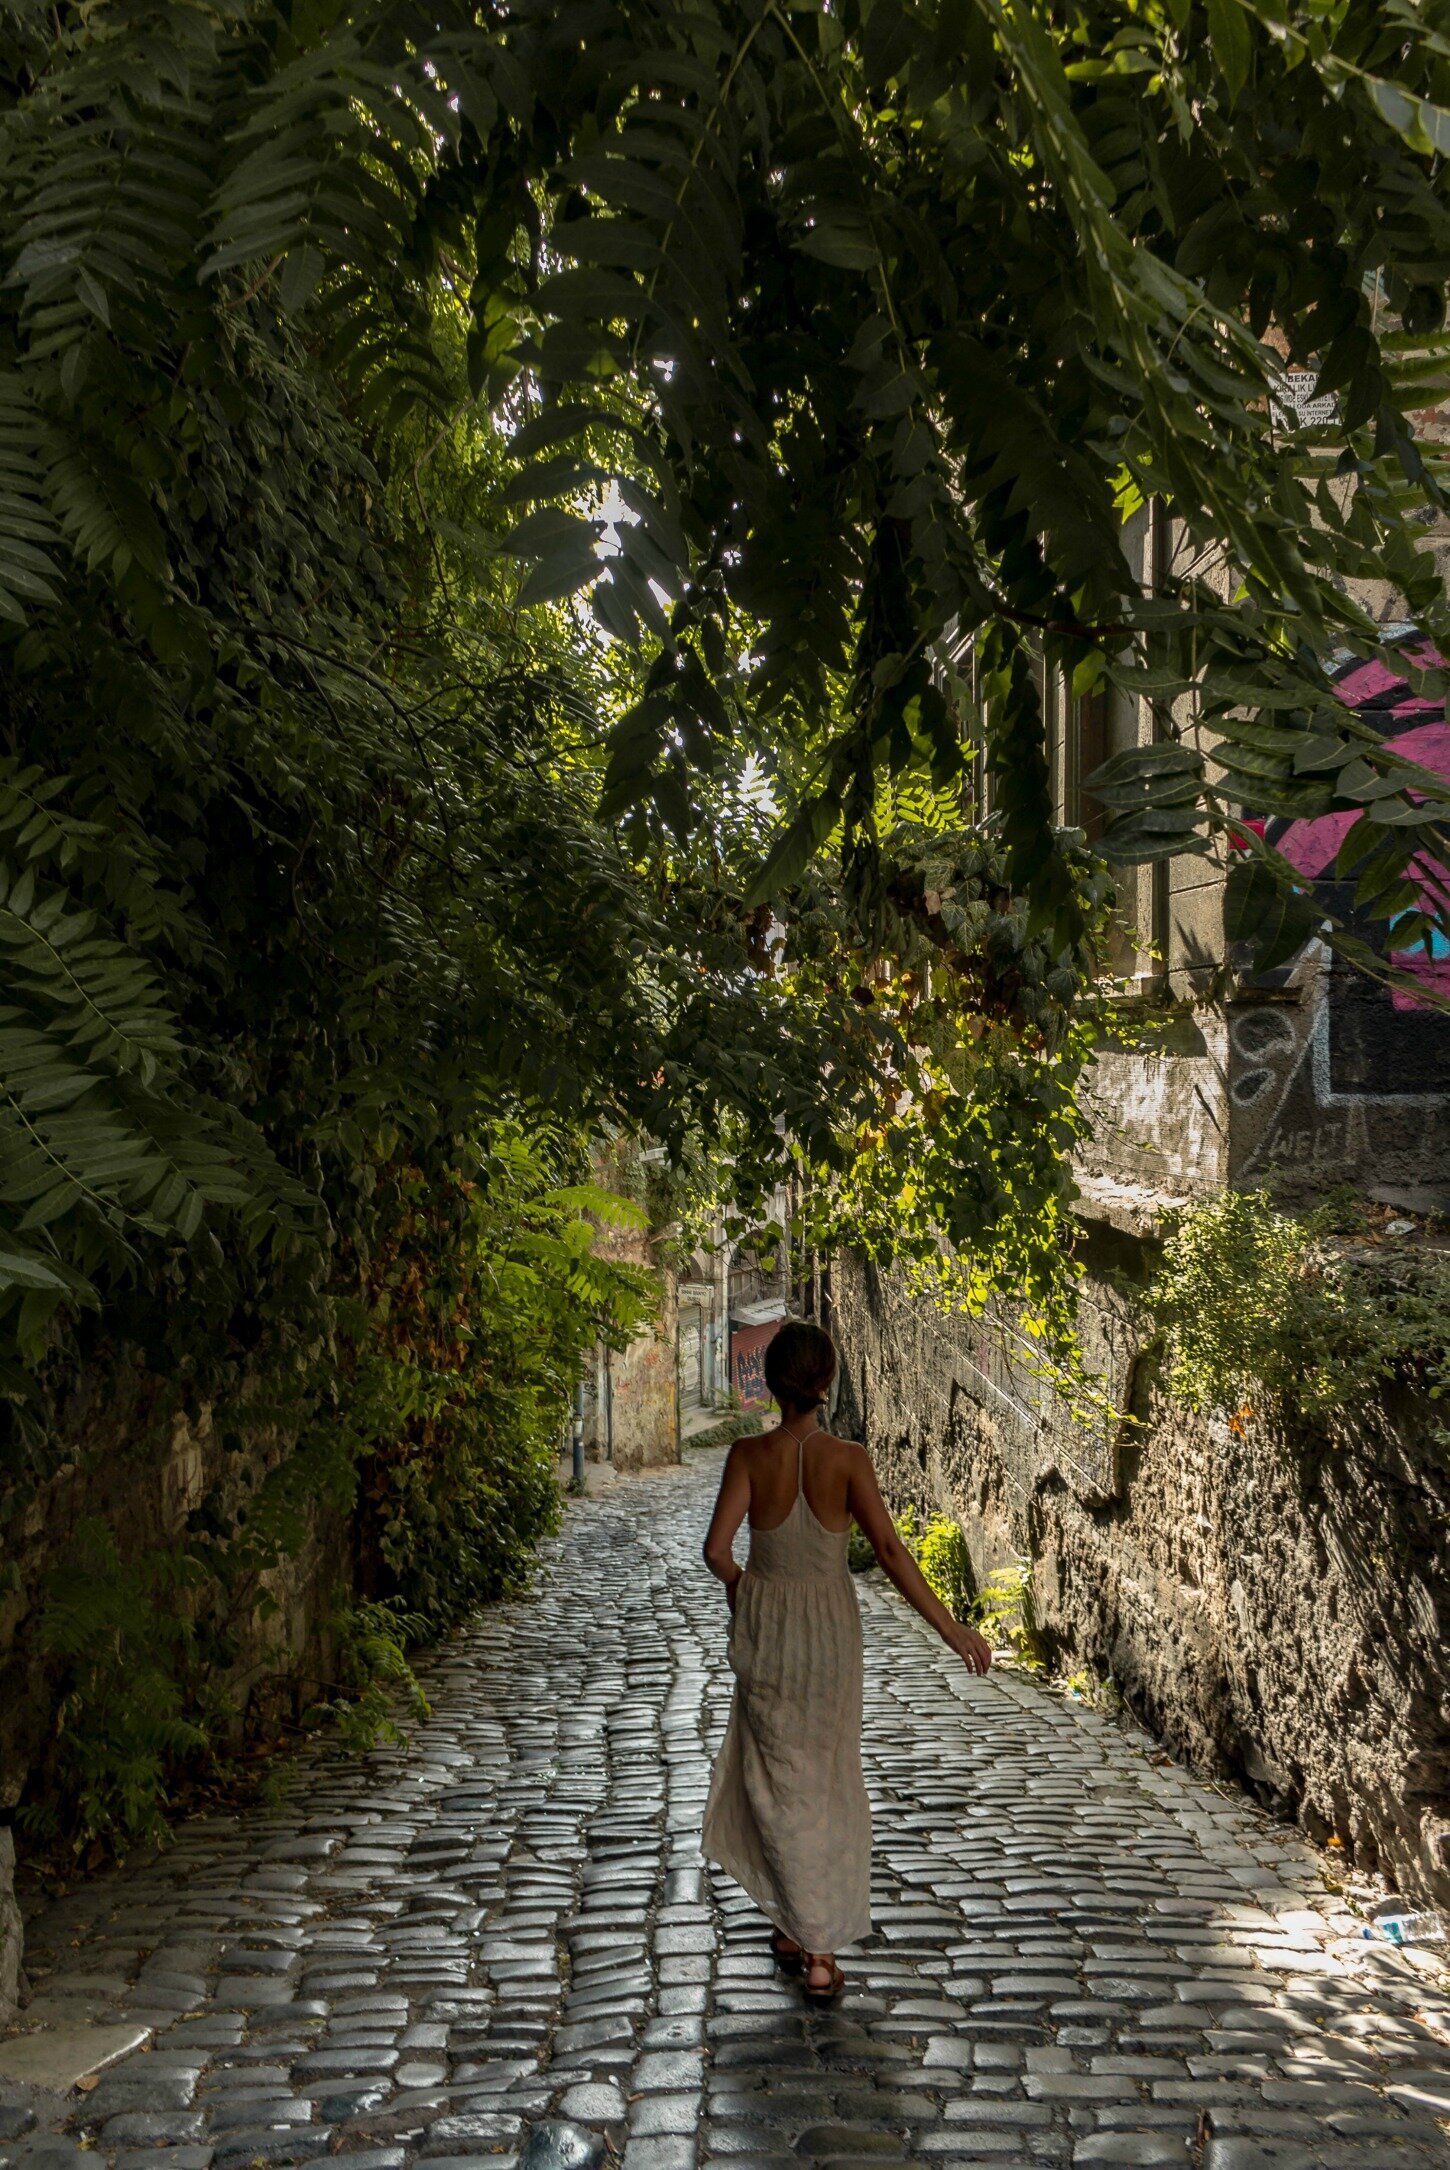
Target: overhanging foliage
{"points": [[876, 320]]}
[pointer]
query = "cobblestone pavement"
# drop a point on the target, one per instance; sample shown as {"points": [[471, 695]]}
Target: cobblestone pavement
{"points": [[443, 1950]]}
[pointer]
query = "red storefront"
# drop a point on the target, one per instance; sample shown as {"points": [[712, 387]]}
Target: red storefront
{"points": [[752, 1329]]}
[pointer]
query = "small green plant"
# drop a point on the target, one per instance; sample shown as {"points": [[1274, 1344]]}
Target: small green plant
{"points": [[1259, 1305], [377, 1680], [1004, 1610], [860, 1553], [944, 1561], [131, 1714], [940, 1551], [1084, 1687]]}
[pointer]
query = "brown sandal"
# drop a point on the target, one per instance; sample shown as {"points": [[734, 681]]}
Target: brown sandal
{"points": [[824, 1992], [788, 1955]]}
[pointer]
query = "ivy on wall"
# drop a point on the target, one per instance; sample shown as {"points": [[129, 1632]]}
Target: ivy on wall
{"points": [[1310, 1314]]}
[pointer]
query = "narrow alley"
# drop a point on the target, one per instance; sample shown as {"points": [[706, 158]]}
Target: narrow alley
{"points": [[1081, 1955]]}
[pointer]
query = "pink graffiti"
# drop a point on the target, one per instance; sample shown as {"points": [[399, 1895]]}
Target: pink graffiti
{"points": [[1312, 847]]}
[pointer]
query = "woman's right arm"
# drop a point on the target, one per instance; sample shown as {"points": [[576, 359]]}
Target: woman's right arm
{"points": [[731, 1507], [869, 1509]]}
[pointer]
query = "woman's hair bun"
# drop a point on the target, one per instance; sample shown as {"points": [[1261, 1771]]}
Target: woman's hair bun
{"points": [[800, 1364]]}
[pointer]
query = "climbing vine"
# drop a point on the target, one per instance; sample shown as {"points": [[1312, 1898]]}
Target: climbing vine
{"points": [[485, 1304]]}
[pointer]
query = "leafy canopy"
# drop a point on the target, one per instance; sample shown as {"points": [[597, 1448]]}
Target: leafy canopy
{"points": [[876, 319], [335, 342]]}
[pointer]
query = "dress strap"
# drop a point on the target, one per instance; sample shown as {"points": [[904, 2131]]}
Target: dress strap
{"points": [[800, 1459]]}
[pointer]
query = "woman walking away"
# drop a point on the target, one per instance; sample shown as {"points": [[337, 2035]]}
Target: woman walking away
{"points": [[788, 1816]]}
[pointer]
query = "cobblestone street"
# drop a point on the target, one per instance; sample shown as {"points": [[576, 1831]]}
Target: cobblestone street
{"points": [[1080, 1955]]}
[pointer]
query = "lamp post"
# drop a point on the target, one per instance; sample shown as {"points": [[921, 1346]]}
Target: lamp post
{"points": [[579, 1435]]}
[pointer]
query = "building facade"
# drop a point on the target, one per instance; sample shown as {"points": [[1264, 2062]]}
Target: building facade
{"points": [[1306, 1077]]}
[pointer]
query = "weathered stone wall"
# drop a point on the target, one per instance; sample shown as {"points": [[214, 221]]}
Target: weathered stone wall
{"points": [[141, 1473], [632, 1403], [142, 1476], [11, 1930], [1277, 1609], [646, 1393]]}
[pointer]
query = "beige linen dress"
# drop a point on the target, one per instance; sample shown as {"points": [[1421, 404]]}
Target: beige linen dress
{"points": [[788, 1816]]}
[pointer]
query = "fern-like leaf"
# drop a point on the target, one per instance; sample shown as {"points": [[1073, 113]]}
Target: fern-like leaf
{"points": [[28, 531]]}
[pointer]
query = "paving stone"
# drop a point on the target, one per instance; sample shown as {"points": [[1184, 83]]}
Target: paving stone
{"points": [[1239, 2154], [59, 2057], [503, 1928], [496, 2159], [164, 2158], [339, 2106], [1131, 2147], [659, 2154], [168, 2091], [248, 2110], [668, 2069], [561, 2145], [151, 2128], [472, 2129], [270, 2144], [594, 2099], [46, 2151], [825, 2143], [665, 2113]]}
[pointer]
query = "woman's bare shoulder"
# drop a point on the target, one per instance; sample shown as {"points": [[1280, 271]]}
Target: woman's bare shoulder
{"points": [[848, 1448], [748, 1446]]}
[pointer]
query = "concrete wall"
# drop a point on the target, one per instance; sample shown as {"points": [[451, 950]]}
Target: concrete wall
{"points": [[1312, 1081], [1338, 1081], [1317, 1081], [1277, 1609]]}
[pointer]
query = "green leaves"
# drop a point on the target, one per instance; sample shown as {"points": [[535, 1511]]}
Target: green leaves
{"points": [[100, 1144], [794, 849], [105, 512], [1424, 125], [982, 281], [563, 551], [1154, 797], [1233, 46], [824, 346], [105, 1003], [1265, 907], [28, 530]]}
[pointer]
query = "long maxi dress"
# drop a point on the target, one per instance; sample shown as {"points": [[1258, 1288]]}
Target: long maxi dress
{"points": [[788, 1815]]}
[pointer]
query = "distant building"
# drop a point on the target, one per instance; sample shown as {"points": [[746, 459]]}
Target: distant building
{"points": [[732, 1298]]}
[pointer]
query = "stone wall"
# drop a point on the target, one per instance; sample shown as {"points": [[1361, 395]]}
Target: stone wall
{"points": [[645, 1392], [632, 1402], [1276, 1609], [142, 1471]]}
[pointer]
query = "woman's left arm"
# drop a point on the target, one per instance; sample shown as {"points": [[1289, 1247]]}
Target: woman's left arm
{"points": [[731, 1507]]}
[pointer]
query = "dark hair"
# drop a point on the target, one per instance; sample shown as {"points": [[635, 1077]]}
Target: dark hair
{"points": [[800, 1364]]}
